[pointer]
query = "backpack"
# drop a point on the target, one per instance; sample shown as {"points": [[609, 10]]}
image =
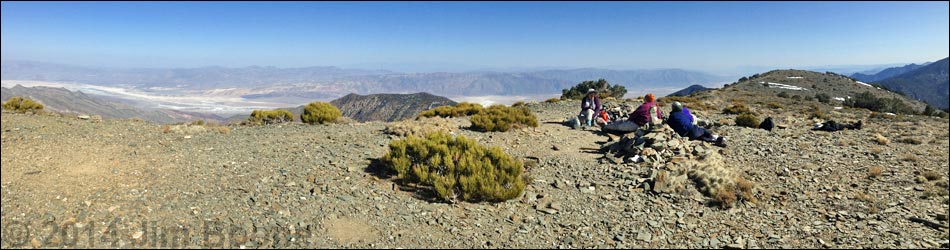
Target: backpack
{"points": [[767, 124]]}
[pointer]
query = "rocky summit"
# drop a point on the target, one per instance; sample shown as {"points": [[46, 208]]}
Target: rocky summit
{"points": [[72, 182]]}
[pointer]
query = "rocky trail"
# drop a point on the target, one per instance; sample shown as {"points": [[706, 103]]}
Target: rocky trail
{"points": [[123, 183]]}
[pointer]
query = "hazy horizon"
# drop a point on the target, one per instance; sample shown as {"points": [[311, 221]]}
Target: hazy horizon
{"points": [[723, 38]]}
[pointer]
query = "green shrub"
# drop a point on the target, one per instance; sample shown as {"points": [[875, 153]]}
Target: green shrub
{"points": [[782, 94], [456, 166], [22, 105], [518, 104], [747, 120], [259, 117], [319, 113], [737, 108], [500, 118], [552, 100], [873, 103], [459, 110], [822, 97], [604, 89]]}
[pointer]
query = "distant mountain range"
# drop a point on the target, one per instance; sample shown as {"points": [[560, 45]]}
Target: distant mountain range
{"points": [[809, 84], [64, 101], [930, 83], [330, 82], [689, 90], [887, 73], [388, 107]]}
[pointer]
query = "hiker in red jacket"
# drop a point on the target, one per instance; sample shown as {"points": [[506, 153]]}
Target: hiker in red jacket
{"points": [[647, 113]]}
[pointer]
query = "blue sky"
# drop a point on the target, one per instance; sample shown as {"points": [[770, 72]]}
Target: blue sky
{"points": [[716, 37]]}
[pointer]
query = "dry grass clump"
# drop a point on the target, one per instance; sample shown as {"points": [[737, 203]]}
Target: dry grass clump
{"points": [[934, 191], [910, 140], [774, 105], [877, 150], [817, 113], [747, 120], [725, 198], [745, 189], [224, 130], [880, 139], [875, 171], [737, 108], [553, 100], [910, 158], [931, 175]]}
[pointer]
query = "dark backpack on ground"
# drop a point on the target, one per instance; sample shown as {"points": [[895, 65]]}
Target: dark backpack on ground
{"points": [[767, 124]]}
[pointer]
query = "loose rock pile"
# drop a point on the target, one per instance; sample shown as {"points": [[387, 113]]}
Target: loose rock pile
{"points": [[674, 162]]}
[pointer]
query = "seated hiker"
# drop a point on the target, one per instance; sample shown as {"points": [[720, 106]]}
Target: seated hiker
{"points": [[832, 126], [682, 122], [590, 108], [646, 114]]}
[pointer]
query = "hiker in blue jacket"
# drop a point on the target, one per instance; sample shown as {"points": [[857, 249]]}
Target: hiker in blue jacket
{"points": [[682, 122]]}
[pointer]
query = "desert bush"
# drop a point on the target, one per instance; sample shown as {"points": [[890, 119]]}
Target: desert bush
{"points": [[910, 158], [725, 198], [259, 117], [930, 110], [737, 108], [910, 140], [880, 139], [459, 110], [745, 189], [875, 171], [774, 105], [319, 113], [873, 103], [552, 100], [817, 113], [518, 104], [604, 89], [500, 118], [224, 130], [782, 94], [456, 166], [822, 97], [931, 175], [22, 105], [747, 120]]}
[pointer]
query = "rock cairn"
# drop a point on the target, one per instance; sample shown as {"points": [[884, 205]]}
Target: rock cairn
{"points": [[675, 162]]}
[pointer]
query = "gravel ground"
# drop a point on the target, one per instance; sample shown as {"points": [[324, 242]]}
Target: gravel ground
{"points": [[122, 183]]}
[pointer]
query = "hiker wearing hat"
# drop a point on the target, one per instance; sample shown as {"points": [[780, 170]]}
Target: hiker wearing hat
{"points": [[681, 121], [590, 106]]}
